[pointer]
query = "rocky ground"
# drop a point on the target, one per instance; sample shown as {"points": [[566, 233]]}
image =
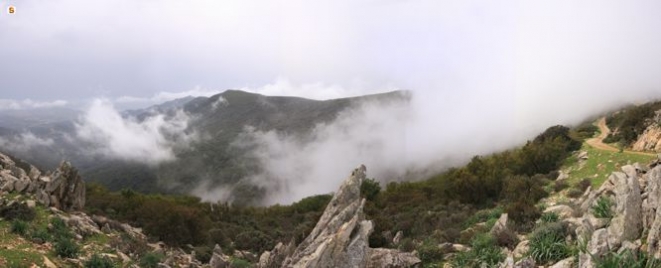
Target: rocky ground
{"points": [[48, 206]]}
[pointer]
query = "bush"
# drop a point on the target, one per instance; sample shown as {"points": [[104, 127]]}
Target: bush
{"points": [[626, 259], [203, 254], [40, 235], [506, 238], [18, 211], [66, 248], [150, 260], [523, 215], [19, 227], [256, 241], [484, 252], [574, 193], [429, 252], [240, 263], [584, 184], [97, 261], [602, 209], [549, 217], [547, 244], [559, 186], [60, 229], [369, 189]]}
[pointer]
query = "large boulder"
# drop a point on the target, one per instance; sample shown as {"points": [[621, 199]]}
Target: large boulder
{"points": [[340, 238]]}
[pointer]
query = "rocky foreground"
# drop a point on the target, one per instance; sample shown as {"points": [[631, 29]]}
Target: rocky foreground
{"points": [[634, 196], [340, 238]]}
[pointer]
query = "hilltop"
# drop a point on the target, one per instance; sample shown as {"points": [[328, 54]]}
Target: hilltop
{"points": [[211, 160]]}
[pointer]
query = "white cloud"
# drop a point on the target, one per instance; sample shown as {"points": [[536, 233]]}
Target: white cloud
{"points": [[149, 141], [24, 142], [9, 104]]}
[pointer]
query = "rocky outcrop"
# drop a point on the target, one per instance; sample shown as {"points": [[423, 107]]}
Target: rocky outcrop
{"points": [[627, 222], [650, 140], [340, 238], [62, 189]]}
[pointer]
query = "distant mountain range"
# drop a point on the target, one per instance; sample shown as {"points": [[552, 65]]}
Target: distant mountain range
{"points": [[218, 119]]}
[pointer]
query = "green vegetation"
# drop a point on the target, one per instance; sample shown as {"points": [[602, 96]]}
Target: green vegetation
{"points": [[602, 209], [97, 261], [549, 217], [599, 165], [547, 243], [369, 189], [484, 253], [150, 260], [627, 259], [66, 248], [19, 227], [203, 224], [630, 123], [443, 205]]}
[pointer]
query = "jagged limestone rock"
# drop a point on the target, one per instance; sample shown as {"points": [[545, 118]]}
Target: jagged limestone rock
{"points": [[597, 247], [627, 222], [340, 238], [66, 188], [500, 225]]}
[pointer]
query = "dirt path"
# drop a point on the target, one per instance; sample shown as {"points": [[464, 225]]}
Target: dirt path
{"points": [[598, 142]]}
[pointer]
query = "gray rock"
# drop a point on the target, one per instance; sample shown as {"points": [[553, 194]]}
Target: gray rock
{"points": [[566, 263], [521, 249], [340, 238], [31, 203], [627, 222], [390, 258], [597, 247], [398, 238], [21, 185], [563, 211], [500, 225]]}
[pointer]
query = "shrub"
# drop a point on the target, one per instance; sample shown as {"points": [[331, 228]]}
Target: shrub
{"points": [[97, 261], [40, 235], [19, 227], [484, 252], [626, 259], [560, 185], [523, 214], [60, 229], [574, 193], [547, 244], [602, 209], [240, 263], [203, 254], [429, 252], [584, 184], [256, 241], [150, 260], [549, 217], [506, 238], [66, 248], [18, 211], [369, 189]]}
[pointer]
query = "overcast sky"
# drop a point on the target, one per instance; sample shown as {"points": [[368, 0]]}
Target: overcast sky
{"points": [[526, 51]]}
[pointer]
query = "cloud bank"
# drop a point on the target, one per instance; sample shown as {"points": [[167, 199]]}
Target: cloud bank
{"points": [[150, 141]]}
